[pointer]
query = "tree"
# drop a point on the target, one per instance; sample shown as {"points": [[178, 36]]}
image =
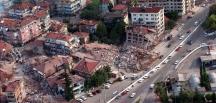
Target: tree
{"points": [[118, 32], [198, 98], [212, 9], [99, 78], [172, 15], [91, 11], [101, 31], [68, 84], [213, 97], [170, 24]]}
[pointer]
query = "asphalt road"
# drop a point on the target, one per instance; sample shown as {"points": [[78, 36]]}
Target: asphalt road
{"points": [[142, 90]]}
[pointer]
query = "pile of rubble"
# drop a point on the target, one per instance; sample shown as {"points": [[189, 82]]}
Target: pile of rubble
{"points": [[103, 52], [134, 59]]}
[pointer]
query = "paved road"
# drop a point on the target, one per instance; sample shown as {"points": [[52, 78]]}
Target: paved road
{"points": [[143, 89]]}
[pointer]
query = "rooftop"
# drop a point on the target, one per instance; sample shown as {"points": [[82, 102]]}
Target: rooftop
{"points": [[6, 47], [58, 36], [22, 6], [81, 34], [12, 86], [119, 7], [87, 65], [208, 58], [50, 66], [88, 22], [146, 10]]}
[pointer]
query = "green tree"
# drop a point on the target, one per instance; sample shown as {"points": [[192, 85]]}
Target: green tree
{"points": [[212, 9], [91, 11], [99, 78], [117, 33], [198, 98], [186, 97], [172, 15], [170, 24], [213, 97], [68, 84], [101, 31]]}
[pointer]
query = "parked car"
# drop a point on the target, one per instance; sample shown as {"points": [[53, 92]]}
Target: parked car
{"points": [[166, 61], [151, 86], [132, 95], [123, 93], [176, 62], [90, 94], [169, 45], [115, 92], [189, 42], [80, 100], [83, 98]]}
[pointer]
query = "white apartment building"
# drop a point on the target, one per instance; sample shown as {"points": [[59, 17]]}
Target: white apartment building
{"points": [[181, 6], [69, 7], [152, 17]]}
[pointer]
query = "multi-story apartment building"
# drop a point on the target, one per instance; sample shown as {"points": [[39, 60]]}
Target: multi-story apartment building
{"points": [[140, 36], [15, 92], [181, 6], [18, 32], [60, 44], [25, 22], [69, 7], [57, 84], [152, 17], [21, 10]]}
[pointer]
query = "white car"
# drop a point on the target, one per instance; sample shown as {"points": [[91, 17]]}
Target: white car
{"points": [[83, 98], [180, 46], [90, 94], [151, 86], [158, 68], [145, 77], [169, 57], [132, 95], [107, 85], [195, 23], [140, 80], [115, 92], [176, 62], [80, 100], [166, 61], [181, 37], [129, 88]]}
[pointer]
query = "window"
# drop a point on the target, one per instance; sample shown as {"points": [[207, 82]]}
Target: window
{"points": [[134, 14], [140, 14]]}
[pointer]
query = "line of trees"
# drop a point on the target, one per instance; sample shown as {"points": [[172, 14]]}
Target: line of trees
{"points": [[114, 35], [91, 11], [161, 91], [173, 17], [204, 78], [187, 96], [210, 23], [100, 77]]}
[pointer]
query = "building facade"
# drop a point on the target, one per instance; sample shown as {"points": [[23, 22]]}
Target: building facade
{"points": [[180, 6], [60, 44], [150, 17], [15, 92], [140, 36], [68, 7]]}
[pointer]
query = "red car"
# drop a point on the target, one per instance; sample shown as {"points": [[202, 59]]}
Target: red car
{"points": [[123, 93], [177, 49]]}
